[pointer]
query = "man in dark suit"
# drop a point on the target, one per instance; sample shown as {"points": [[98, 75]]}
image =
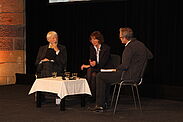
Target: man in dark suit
{"points": [[52, 57], [99, 58], [134, 56]]}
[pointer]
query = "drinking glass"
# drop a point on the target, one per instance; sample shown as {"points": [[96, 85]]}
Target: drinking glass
{"points": [[74, 76], [67, 75], [54, 74]]}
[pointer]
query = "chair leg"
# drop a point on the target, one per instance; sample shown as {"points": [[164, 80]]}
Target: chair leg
{"points": [[117, 98], [134, 97], [113, 95], [138, 98]]}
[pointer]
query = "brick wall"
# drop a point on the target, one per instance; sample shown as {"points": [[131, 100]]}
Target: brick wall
{"points": [[12, 40]]}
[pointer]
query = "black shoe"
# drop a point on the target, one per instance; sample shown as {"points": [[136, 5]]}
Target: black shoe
{"points": [[96, 109]]}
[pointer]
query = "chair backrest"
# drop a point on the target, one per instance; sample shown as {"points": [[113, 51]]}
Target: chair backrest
{"points": [[142, 72], [115, 59], [139, 79], [143, 69]]}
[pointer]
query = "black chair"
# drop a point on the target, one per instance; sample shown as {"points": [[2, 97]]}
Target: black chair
{"points": [[115, 60], [132, 83]]}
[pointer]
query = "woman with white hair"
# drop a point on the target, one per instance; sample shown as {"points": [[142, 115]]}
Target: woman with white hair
{"points": [[51, 57]]}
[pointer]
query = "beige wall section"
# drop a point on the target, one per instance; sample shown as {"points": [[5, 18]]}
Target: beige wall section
{"points": [[12, 40], [11, 56], [11, 62]]}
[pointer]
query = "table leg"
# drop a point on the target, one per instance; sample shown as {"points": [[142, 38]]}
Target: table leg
{"points": [[82, 100], [62, 104], [38, 99]]}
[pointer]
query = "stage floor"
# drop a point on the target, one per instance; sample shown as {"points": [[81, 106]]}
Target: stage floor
{"points": [[17, 106]]}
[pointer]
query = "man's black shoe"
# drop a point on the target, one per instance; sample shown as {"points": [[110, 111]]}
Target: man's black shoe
{"points": [[96, 109]]}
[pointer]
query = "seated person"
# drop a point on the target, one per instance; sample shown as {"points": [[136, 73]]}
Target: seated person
{"points": [[99, 58], [133, 57], [52, 57]]}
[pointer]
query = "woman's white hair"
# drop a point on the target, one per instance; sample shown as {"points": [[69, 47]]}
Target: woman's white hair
{"points": [[50, 34]]}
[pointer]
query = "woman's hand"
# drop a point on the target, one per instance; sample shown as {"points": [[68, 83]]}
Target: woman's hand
{"points": [[45, 60], [84, 66], [54, 46], [92, 63]]}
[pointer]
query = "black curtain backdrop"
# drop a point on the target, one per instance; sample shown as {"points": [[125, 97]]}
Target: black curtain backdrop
{"points": [[156, 23]]}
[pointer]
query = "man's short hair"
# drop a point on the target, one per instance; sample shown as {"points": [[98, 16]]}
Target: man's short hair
{"points": [[127, 32]]}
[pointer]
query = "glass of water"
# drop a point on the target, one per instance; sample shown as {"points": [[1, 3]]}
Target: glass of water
{"points": [[67, 75], [54, 74], [74, 76]]}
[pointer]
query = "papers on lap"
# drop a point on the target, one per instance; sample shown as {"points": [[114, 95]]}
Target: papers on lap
{"points": [[108, 70]]}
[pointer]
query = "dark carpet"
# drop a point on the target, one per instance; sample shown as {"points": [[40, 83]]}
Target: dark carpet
{"points": [[17, 106]]}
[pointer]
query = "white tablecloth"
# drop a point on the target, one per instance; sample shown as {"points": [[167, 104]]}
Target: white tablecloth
{"points": [[61, 87]]}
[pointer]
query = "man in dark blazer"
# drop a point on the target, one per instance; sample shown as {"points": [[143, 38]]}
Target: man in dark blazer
{"points": [[134, 56], [52, 57]]}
